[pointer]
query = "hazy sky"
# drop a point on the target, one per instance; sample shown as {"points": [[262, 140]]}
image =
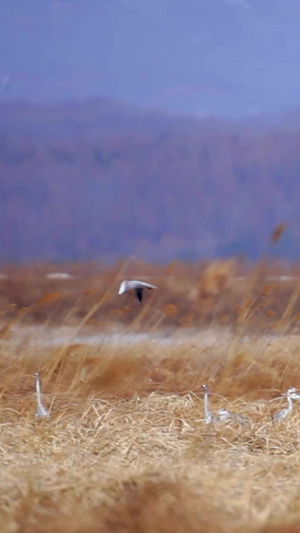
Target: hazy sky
{"points": [[221, 57]]}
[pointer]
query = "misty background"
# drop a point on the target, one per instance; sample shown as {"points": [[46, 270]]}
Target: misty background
{"points": [[160, 128]]}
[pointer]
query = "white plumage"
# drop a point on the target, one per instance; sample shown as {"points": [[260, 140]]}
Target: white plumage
{"points": [[225, 415], [208, 416], [41, 410], [137, 286], [291, 395]]}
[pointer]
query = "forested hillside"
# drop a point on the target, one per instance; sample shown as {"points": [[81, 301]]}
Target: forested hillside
{"points": [[100, 179]]}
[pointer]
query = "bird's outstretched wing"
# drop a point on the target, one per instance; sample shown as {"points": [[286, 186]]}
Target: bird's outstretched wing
{"points": [[139, 294]]}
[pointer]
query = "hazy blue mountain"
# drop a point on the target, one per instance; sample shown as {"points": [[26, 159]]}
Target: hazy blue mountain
{"points": [[100, 179]]}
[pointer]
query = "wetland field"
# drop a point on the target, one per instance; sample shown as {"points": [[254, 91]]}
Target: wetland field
{"points": [[126, 447]]}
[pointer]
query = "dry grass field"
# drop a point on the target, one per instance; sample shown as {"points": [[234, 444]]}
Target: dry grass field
{"points": [[126, 448]]}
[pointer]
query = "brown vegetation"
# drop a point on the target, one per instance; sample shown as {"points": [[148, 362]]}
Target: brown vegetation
{"points": [[126, 448], [195, 295]]}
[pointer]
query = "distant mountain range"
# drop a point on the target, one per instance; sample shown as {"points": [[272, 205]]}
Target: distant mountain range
{"points": [[102, 179]]}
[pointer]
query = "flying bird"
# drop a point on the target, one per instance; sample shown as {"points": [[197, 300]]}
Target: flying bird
{"points": [[137, 286]]}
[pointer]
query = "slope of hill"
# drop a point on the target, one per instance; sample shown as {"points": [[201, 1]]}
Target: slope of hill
{"points": [[103, 180]]}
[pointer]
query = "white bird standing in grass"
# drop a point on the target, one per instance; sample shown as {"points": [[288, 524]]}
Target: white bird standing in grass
{"points": [[291, 395], [137, 286], [41, 410], [208, 416], [223, 414]]}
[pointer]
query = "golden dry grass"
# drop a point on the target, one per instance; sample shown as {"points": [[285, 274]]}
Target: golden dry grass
{"points": [[126, 448]]}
